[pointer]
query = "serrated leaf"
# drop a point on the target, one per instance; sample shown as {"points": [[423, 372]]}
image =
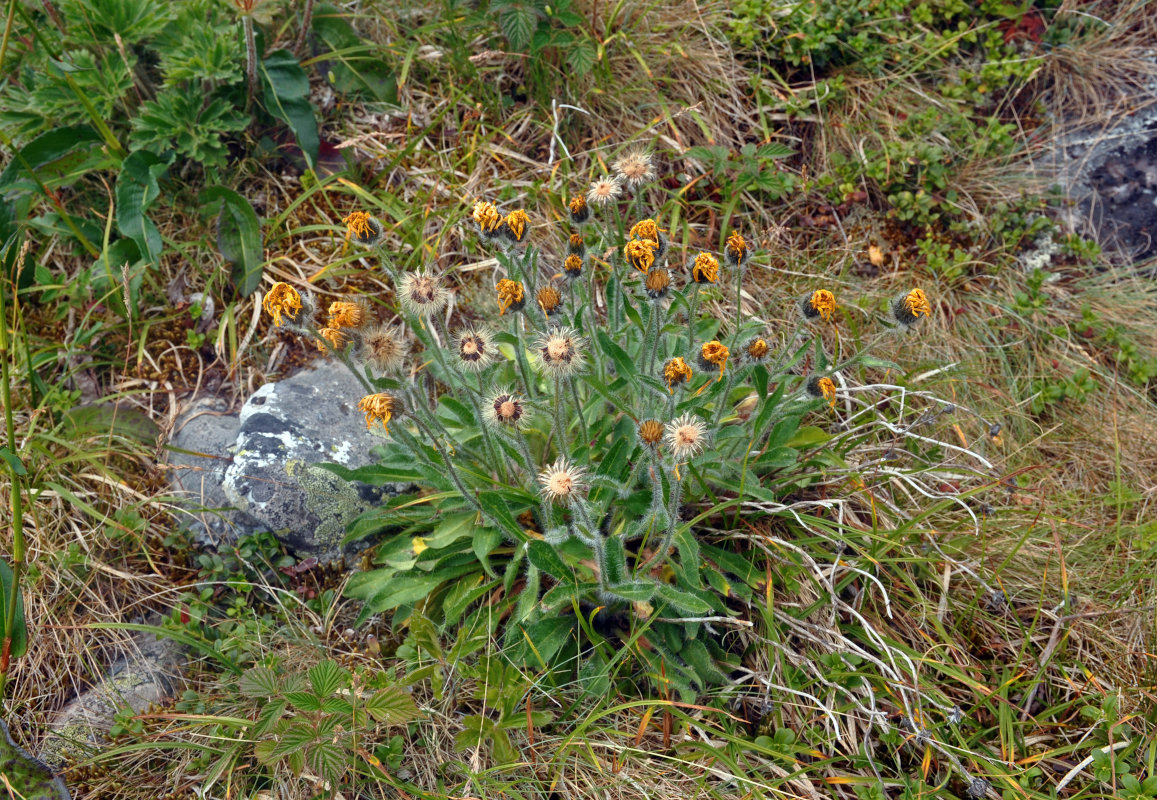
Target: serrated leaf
{"points": [[326, 677], [392, 707], [304, 701], [518, 23], [259, 682], [238, 237], [582, 57]]}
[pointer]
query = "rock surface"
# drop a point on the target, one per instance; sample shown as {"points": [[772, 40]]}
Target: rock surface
{"points": [[145, 675], [1111, 175], [242, 474]]}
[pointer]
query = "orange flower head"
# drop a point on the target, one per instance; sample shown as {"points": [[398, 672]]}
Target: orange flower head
{"points": [[821, 304], [281, 299], [511, 296], [715, 353], [381, 408], [676, 372], [640, 253], [705, 268]]}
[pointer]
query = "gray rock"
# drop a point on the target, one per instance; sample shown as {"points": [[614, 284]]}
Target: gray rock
{"points": [[257, 471], [145, 675]]}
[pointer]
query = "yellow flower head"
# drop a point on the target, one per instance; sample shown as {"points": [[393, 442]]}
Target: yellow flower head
{"points": [[676, 372], [822, 303], [511, 296], [335, 338], [487, 217], [756, 350], [917, 303], [715, 354], [344, 314], [705, 268], [362, 228], [281, 299], [515, 224], [822, 387], [572, 266], [657, 283], [640, 253], [549, 300], [649, 433], [736, 250], [380, 408], [646, 229], [580, 212], [575, 245]]}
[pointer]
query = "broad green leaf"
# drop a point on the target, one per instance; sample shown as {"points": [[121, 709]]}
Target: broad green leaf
{"points": [[623, 362], [238, 237], [287, 98], [542, 640], [57, 158], [681, 601], [326, 677], [137, 187], [518, 23], [496, 507], [353, 65], [392, 706], [259, 682], [543, 556], [635, 591], [485, 541], [808, 436], [13, 461]]}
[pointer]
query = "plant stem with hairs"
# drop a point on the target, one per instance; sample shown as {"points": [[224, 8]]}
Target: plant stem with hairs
{"points": [[250, 61], [306, 22]]}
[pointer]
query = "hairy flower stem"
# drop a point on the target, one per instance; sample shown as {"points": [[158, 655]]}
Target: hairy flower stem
{"points": [[492, 452], [557, 404], [578, 410], [692, 310], [651, 337], [452, 472], [520, 357], [593, 540], [250, 61], [660, 555], [17, 498], [306, 22], [738, 306], [344, 357]]}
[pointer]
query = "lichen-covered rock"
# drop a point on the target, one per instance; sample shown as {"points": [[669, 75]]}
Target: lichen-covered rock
{"points": [[145, 676], [260, 474]]}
